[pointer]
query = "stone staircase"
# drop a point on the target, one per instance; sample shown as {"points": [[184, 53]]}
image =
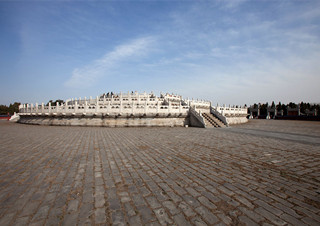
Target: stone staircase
{"points": [[212, 121]]}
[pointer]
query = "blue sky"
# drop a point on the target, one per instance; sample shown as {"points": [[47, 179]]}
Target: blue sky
{"points": [[228, 52]]}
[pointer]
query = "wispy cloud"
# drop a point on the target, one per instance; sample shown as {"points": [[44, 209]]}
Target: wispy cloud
{"points": [[91, 73], [232, 4]]}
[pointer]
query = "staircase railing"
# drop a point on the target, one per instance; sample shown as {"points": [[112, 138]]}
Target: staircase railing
{"points": [[198, 116]]}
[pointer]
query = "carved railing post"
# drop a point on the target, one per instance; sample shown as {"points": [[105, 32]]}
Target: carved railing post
{"points": [[49, 108], [85, 105], [57, 107], [132, 108], [75, 106], [145, 107]]}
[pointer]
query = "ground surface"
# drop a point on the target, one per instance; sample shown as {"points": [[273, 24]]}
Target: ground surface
{"points": [[263, 172]]}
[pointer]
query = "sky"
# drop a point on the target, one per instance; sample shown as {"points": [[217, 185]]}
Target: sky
{"points": [[229, 52]]}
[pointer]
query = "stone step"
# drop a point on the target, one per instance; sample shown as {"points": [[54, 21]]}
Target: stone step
{"points": [[210, 123], [213, 120]]}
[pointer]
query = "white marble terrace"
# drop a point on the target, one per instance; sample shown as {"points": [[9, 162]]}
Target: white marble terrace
{"points": [[127, 104]]}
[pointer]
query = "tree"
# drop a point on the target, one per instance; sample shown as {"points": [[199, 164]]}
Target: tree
{"points": [[11, 109], [14, 108], [3, 110], [263, 109], [273, 105], [54, 103], [284, 108], [279, 106], [292, 105]]}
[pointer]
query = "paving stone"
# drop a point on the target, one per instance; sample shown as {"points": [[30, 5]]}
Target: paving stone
{"points": [[73, 205], [30, 208], [42, 213], [247, 221], [40, 222], [310, 221], [118, 218], [290, 219], [191, 201], [225, 190], [87, 197], [146, 214], [153, 202], [70, 219], [100, 216], [244, 201], [203, 200], [138, 200], [171, 207], [163, 217], [287, 210], [155, 223], [274, 219], [225, 219], [308, 213], [99, 201], [114, 204], [253, 215], [100, 190], [161, 195], [188, 211], [207, 215], [52, 221], [174, 197], [144, 191], [263, 172], [266, 206], [198, 221], [129, 209], [21, 221], [86, 211], [213, 198], [192, 192], [135, 221], [179, 219]]}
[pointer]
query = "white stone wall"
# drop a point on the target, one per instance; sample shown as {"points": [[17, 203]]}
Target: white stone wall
{"points": [[236, 120], [107, 122], [232, 111]]}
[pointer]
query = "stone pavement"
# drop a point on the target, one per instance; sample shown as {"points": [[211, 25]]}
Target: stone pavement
{"points": [[260, 173]]}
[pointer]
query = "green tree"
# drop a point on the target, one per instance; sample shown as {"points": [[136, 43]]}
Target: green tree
{"points": [[4, 110], [14, 108], [273, 105], [279, 106], [292, 105], [263, 109], [284, 108], [54, 103]]}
